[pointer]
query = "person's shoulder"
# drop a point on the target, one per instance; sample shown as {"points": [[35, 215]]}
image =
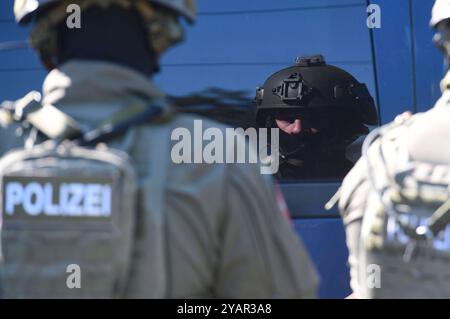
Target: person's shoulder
{"points": [[428, 136]]}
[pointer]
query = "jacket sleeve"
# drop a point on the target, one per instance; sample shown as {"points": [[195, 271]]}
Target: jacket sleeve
{"points": [[262, 256]]}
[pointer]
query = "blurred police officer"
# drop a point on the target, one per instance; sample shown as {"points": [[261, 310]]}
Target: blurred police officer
{"points": [[395, 200], [320, 110], [224, 235]]}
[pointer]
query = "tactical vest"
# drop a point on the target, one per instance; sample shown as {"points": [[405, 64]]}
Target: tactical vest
{"points": [[404, 248], [68, 210]]}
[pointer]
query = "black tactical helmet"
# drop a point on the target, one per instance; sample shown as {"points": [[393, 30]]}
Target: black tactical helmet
{"points": [[313, 84]]}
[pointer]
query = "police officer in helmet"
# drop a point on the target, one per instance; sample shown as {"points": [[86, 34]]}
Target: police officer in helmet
{"points": [[207, 215], [320, 110]]}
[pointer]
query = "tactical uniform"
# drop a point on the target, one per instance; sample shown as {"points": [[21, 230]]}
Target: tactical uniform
{"points": [[224, 235], [325, 98], [413, 260]]}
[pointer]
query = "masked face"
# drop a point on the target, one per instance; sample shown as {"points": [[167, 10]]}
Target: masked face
{"points": [[301, 123]]}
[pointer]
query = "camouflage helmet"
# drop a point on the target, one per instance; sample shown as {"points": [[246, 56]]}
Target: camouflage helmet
{"points": [[313, 84], [25, 10], [440, 12]]}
